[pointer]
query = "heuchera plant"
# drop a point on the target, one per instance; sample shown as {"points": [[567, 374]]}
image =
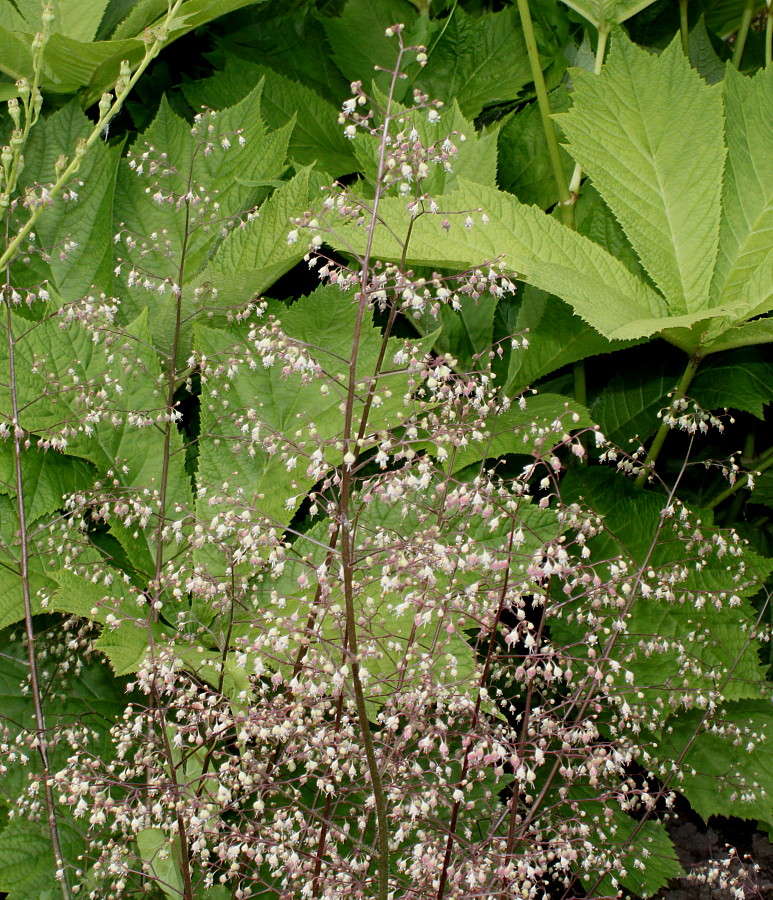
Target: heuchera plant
{"points": [[357, 648]]}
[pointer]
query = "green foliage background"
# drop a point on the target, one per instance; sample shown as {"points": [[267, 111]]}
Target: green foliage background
{"points": [[668, 266]]}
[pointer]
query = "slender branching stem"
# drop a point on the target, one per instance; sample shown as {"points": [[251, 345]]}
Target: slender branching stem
{"points": [[476, 716], [662, 432], [351, 449], [41, 734], [764, 461], [585, 693], [743, 32], [676, 765]]}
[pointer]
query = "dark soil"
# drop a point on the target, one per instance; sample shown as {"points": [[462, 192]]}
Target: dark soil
{"points": [[728, 859]]}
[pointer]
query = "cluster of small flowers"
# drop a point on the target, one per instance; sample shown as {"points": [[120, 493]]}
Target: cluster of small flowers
{"points": [[692, 420]]}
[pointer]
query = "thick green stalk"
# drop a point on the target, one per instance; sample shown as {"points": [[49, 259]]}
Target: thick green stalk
{"points": [[769, 34], [70, 170], [601, 49], [743, 32], [562, 187], [684, 27], [657, 444]]}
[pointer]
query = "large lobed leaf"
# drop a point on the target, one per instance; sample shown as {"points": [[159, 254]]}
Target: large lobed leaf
{"points": [[662, 182], [745, 261]]}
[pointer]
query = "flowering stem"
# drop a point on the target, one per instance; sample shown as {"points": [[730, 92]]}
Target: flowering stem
{"points": [[677, 764], [764, 461], [104, 120], [29, 626], [583, 696], [351, 448], [475, 716], [679, 394]]}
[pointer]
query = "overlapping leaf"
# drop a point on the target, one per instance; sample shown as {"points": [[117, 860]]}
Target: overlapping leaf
{"points": [[287, 407], [663, 183]]}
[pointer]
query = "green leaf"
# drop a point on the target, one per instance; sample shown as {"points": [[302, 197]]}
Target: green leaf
{"points": [[509, 432], [556, 337], [743, 271], [729, 760], [291, 40], [703, 53], [87, 221], [477, 61], [595, 220], [125, 636], [647, 856], [705, 620], [524, 163], [254, 155], [466, 333], [78, 21], [251, 259], [284, 406], [162, 852], [601, 289], [759, 331], [359, 42], [71, 61], [741, 379], [316, 138], [86, 694], [627, 409], [27, 865], [476, 151], [663, 182], [11, 594], [607, 12], [46, 478]]}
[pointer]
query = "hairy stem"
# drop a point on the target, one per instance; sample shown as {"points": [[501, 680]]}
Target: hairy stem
{"points": [[70, 170], [662, 433]]}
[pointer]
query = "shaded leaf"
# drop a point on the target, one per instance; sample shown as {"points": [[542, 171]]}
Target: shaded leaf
{"points": [[510, 431], [741, 379], [524, 162], [627, 409], [556, 337], [729, 759], [316, 137], [477, 61]]}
